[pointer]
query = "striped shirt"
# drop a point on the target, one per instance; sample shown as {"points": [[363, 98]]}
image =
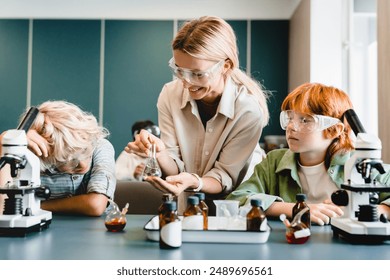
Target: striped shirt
{"points": [[99, 179]]}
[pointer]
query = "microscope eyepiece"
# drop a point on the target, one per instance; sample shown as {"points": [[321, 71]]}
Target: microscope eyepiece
{"points": [[27, 121], [354, 121]]}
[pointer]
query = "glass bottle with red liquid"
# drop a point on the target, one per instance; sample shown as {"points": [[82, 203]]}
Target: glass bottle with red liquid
{"points": [[115, 220], [297, 231]]}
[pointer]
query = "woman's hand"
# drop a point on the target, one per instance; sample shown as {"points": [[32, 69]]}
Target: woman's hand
{"points": [[37, 144], [138, 171], [321, 213], [142, 143], [174, 184]]}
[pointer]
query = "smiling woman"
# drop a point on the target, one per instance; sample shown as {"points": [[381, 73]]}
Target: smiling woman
{"points": [[214, 100]]}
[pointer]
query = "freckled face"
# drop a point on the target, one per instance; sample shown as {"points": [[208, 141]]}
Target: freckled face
{"points": [[306, 142]]}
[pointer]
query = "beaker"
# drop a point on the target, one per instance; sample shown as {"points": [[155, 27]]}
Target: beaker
{"points": [[227, 214]]}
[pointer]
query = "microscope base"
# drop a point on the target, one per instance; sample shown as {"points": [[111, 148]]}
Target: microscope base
{"points": [[360, 232], [20, 226]]}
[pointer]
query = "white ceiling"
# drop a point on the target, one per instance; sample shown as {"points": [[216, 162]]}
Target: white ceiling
{"points": [[146, 9]]}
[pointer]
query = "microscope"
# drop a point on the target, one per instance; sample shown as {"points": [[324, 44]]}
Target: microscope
{"points": [[361, 222], [22, 213]]}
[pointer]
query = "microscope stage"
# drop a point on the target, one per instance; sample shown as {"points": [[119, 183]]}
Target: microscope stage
{"points": [[19, 225], [361, 232]]}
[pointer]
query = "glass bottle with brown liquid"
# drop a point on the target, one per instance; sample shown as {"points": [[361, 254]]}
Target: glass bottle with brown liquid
{"points": [[256, 219], [299, 206], [170, 227], [165, 197], [193, 215], [205, 209]]}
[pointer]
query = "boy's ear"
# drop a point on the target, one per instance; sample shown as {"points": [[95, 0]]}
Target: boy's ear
{"points": [[335, 131]]}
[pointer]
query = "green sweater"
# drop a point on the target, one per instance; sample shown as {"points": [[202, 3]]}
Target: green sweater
{"points": [[276, 178]]}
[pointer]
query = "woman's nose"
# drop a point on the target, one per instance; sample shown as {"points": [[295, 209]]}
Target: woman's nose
{"points": [[186, 84]]}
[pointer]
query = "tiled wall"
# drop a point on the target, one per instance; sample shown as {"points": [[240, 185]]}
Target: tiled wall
{"points": [[116, 68]]}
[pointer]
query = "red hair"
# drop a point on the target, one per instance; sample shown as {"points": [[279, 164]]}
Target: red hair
{"points": [[318, 99]]}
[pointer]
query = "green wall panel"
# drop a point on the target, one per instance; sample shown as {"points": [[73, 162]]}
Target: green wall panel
{"points": [[66, 65], [269, 57], [136, 68], [13, 71], [240, 28], [66, 62]]}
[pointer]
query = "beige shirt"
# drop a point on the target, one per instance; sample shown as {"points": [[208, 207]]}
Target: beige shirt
{"points": [[316, 182], [126, 164], [224, 149]]}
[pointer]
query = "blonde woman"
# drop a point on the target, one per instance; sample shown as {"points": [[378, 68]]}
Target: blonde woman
{"points": [[77, 162], [211, 117]]}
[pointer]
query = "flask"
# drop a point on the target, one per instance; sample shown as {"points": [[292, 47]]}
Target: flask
{"points": [[297, 232], [256, 219], [170, 227], [299, 206], [115, 220], [152, 168], [193, 216], [205, 209]]}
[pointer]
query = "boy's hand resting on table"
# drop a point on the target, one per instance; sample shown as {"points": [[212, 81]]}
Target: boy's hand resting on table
{"points": [[321, 213]]}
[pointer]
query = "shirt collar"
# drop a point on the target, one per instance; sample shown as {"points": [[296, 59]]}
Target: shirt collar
{"points": [[289, 160], [227, 103]]}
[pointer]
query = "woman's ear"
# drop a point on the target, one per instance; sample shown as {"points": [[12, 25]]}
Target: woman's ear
{"points": [[227, 66]]}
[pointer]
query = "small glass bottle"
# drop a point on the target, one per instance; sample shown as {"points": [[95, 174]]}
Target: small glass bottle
{"points": [[205, 209], [193, 215], [170, 227], [299, 206], [165, 197], [256, 219]]}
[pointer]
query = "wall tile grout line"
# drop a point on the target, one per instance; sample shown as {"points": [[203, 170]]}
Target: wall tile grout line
{"points": [[29, 62], [101, 78]]}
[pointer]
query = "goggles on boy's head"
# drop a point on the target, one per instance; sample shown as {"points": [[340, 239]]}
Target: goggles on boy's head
{"points": [[194, 77], [306, 123]]}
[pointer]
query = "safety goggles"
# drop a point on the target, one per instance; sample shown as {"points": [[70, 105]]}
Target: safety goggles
{"points": [[194, 77], [306, 123]]}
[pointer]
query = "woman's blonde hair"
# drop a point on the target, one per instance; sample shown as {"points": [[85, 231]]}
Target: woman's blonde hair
{"points": [[212, 38], [319, 99], [71, 133]]}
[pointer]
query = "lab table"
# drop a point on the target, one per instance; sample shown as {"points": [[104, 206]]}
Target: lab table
{"points": [[86, 238]]}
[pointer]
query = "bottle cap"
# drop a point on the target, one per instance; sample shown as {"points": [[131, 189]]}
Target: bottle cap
{"points": [[167, 197], [200, 195], [193, 200], [170, 205], [256, 202], [300, 197]]}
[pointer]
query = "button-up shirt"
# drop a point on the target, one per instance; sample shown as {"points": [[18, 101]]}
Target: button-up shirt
{"points": [[223, 149]]}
